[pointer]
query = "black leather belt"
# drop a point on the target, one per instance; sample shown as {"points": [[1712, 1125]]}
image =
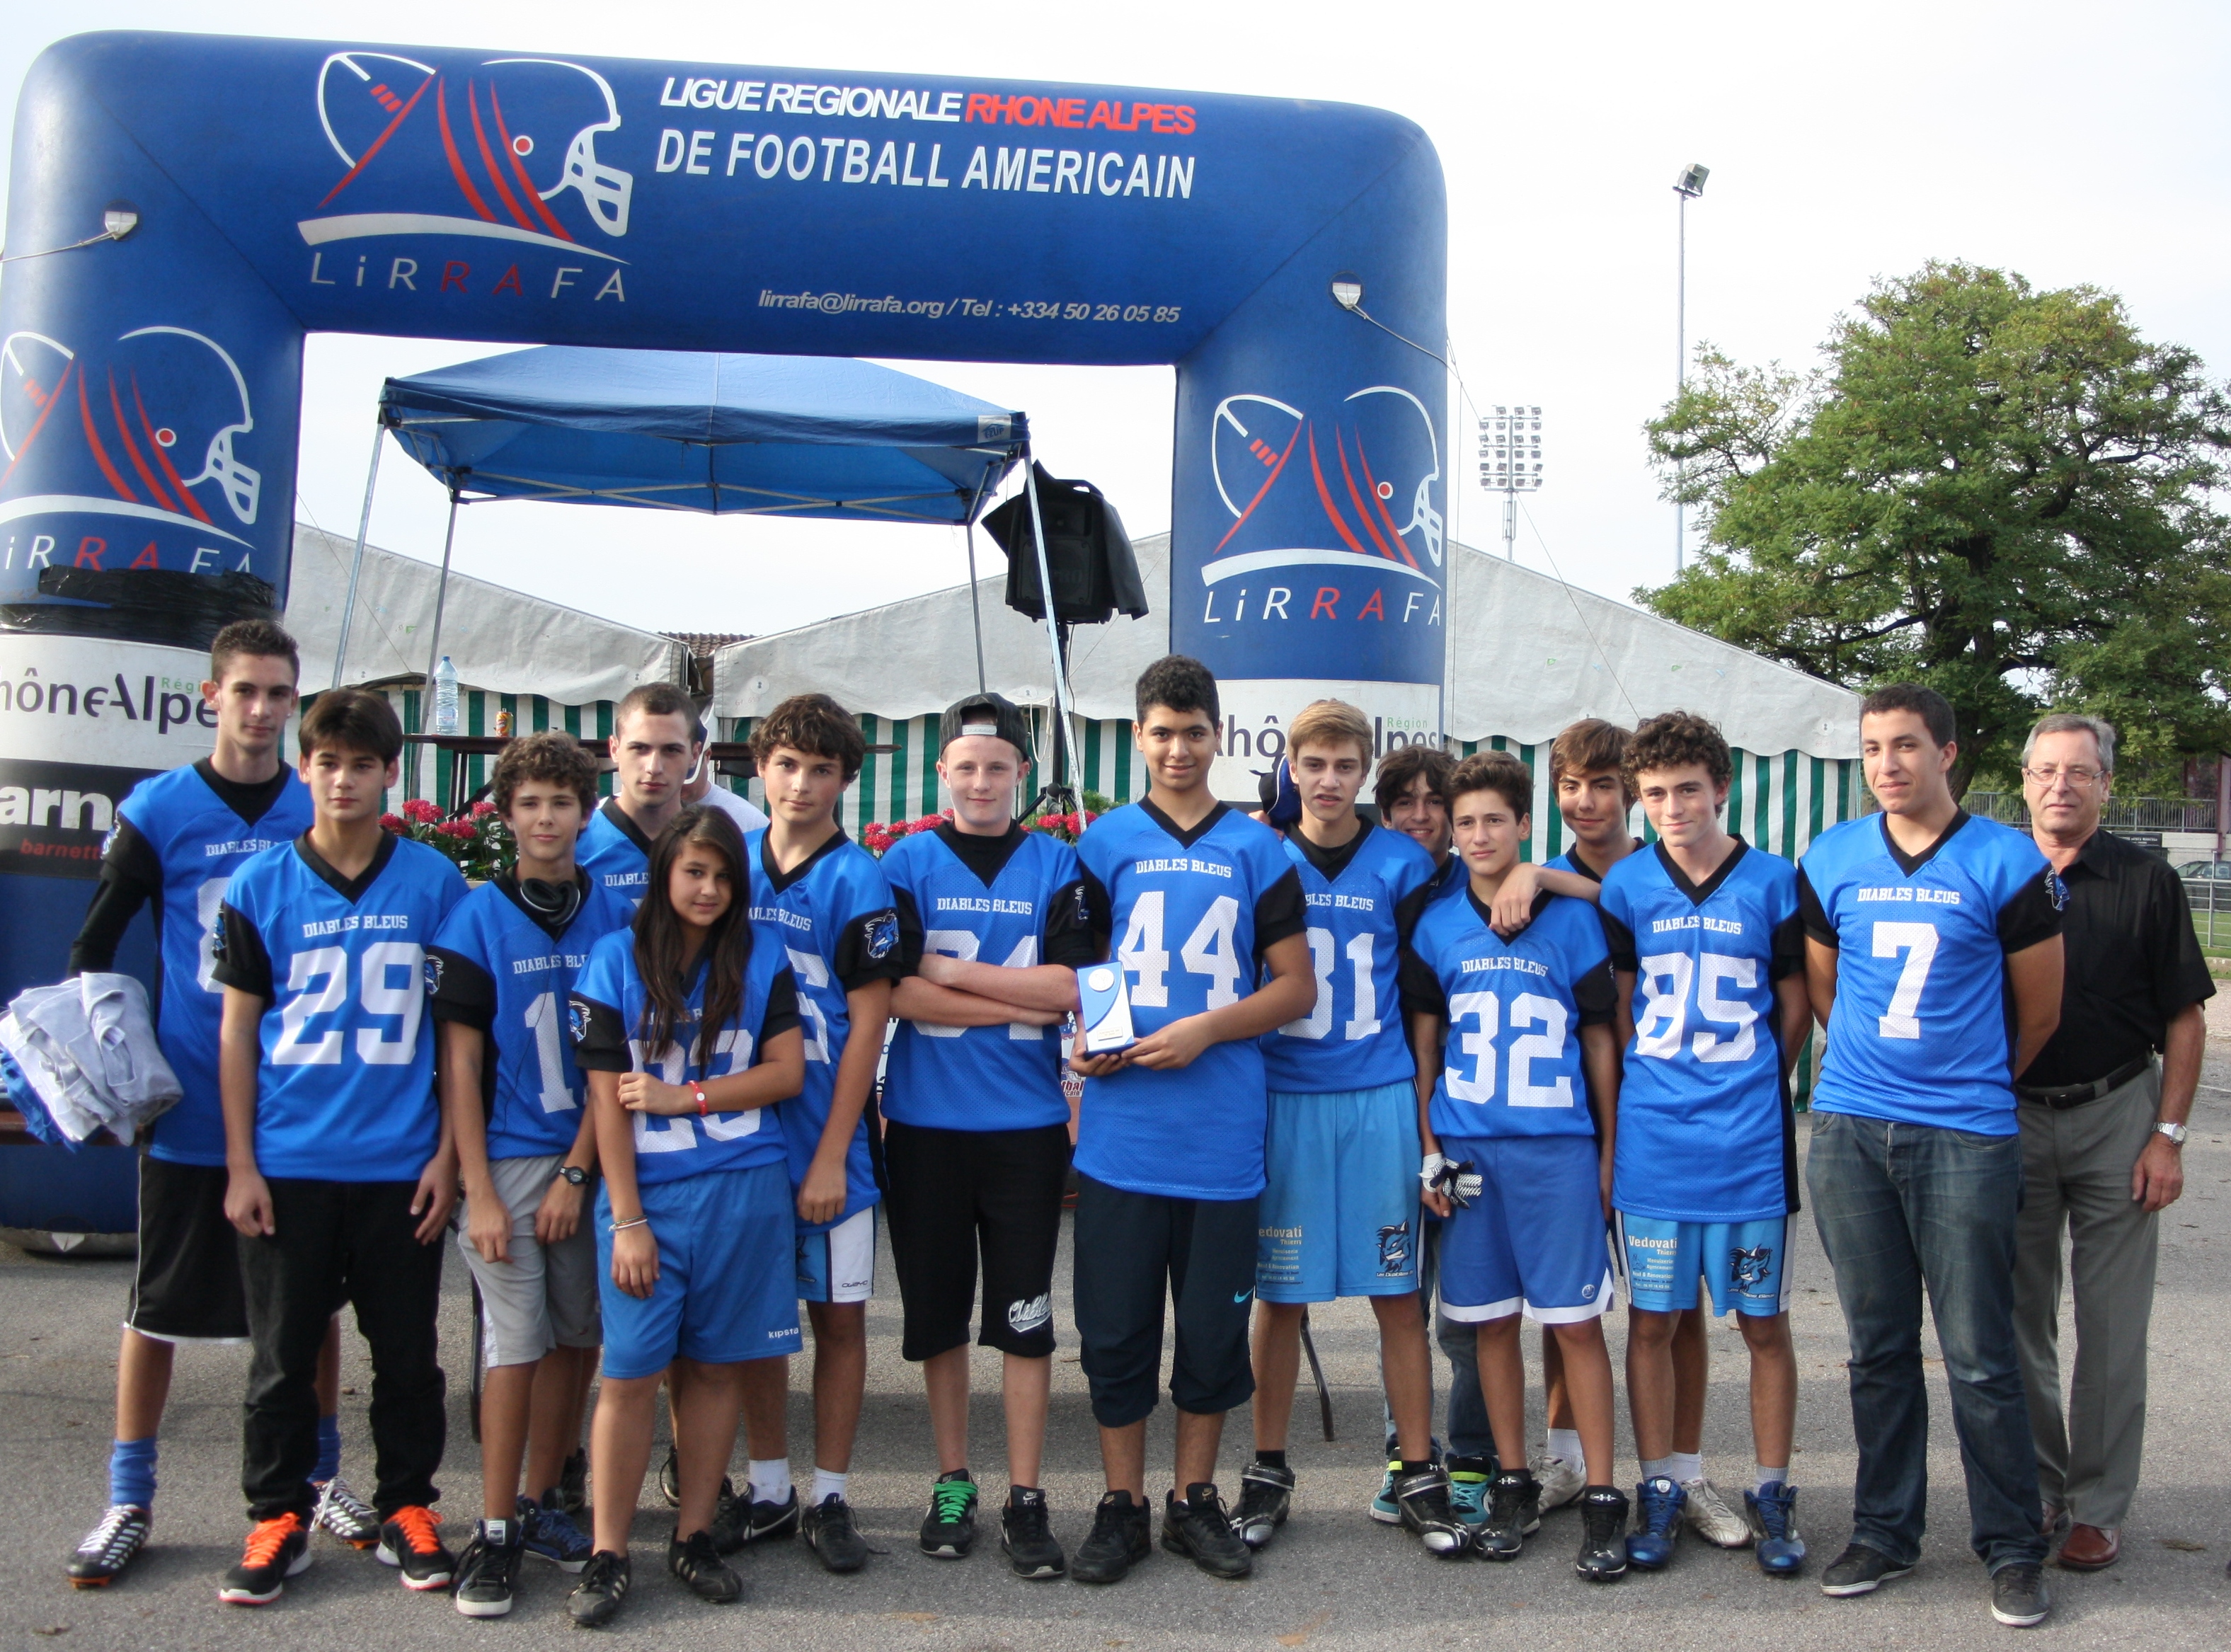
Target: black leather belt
{"points": [[2060, 1095]]}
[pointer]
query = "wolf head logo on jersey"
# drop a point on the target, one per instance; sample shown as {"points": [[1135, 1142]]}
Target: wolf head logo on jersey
{"points": [[576, 1018], [1394, 1250], [433, 974], [149, 422], [1749, 1266], [882, 936], [489, 150]]}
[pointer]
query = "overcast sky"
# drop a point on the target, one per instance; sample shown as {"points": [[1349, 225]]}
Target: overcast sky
{"points": [[2072, 143]]}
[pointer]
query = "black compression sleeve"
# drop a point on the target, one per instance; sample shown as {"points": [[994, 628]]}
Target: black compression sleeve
{"points": [[131, 877]]}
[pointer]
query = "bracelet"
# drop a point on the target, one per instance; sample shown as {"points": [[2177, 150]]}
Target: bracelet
{"points": [[698, 1091], [622, 1227]]}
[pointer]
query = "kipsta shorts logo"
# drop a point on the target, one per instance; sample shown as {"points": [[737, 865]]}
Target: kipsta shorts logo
{"points": [[882, 936], [141, 427], [489, 150], [1750, 1266], [1394, 1250], [1025, 1317]]}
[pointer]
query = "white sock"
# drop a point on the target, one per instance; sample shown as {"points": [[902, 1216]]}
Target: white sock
{"points": [[1685, 1466], [770, 1481], [826, 1485], [1565, 1446], [1654, 1467], [1765, 1477]]}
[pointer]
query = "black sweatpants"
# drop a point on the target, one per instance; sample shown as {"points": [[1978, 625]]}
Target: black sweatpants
{"points": [[953, 1193], [1131, 1249], [341, 1242]]}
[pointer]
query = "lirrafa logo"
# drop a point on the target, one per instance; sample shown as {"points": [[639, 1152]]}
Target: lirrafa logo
{"points": [[142, 429], [492, 152]]}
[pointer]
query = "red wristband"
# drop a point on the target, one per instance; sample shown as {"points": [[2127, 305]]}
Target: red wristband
{"points": [[698, 1091]]}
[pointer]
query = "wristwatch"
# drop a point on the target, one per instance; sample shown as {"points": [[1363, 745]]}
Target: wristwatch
{"points": [[2176, 1133], [573, 1174]]}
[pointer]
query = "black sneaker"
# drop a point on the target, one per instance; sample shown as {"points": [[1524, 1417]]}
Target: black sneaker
{"points": [[1859, 1570], [828, 1530], [1603, 1534], [949, 1529], [572, 1488], [1514, 1513], [488, 1571], [410, 1541], [109, 1548], [669, 1480], [1424, 1499], [1266, 1497], [1026, 1538], [596, 1599], [702, 1572], [738, 1520], [1199, 1528], [2018, 1596], [1122, 1535], [277, 1548]]}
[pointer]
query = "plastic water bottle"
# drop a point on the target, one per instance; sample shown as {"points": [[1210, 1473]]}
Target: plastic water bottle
{"points": [[445, 697]]}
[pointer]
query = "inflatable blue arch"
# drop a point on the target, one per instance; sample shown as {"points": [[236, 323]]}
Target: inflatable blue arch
{"points": [[151, 384]]}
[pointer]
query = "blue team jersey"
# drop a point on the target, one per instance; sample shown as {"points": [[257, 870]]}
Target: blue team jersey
{"points": [[499, 967], [1705, 1132], [1362, 901], [1191, 914], [833, 915], [1448, 877], [613, 850], [1016, 901], [1922, 1032], [197, 841], [607, 1011], [1514, 1009], [344, 1091]]}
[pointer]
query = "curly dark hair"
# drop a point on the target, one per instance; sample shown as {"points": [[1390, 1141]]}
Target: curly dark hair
{"points": [[552, 755], [1402, 766], [817, 725], [1181, 683], [1676, 740], [1497, 772]]}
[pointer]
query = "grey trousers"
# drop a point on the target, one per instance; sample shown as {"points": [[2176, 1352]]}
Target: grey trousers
{"points": [[2076, 1172]]}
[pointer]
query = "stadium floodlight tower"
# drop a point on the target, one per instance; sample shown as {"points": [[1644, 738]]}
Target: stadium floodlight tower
{"points": [[1689, 186], [1511, 462]]}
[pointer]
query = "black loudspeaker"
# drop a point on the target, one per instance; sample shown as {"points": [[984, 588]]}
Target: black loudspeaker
{"points": [[1088, 557]]}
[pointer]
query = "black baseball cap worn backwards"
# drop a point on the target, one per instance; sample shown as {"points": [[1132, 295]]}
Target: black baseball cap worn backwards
{"points": [[993, 716]]}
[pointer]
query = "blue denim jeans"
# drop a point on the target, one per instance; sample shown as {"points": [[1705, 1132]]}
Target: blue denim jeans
{"points": [[1469, 1434], [1903, 1210]]}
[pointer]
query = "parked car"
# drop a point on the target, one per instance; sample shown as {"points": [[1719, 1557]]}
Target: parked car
{"points": [[2215, 871]]}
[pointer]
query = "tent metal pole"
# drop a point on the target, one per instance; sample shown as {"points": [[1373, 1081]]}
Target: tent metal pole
{"points": [[975, 604], [441, 596], [1053, 632], [356, 562]]}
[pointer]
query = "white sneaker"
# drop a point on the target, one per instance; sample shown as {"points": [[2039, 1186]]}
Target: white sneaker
{"points": [[1716, 1522], [345, 1514], [1562, 1483]]}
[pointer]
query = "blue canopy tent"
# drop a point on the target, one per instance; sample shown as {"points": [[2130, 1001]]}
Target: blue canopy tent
{"points": [[722, 435]]}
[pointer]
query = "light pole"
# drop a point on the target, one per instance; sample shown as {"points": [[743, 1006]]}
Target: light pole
{"points": [[1511, 462], [1689, 186]]}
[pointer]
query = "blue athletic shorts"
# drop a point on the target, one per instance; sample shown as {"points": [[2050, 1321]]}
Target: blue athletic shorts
{"points": [[723, 1293], [1338, 1216], [837, 1264], [1743, 1263], [1534, 1239]]}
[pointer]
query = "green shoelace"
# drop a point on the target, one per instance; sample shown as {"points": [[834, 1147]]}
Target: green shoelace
{"points": [[949, 1500]]}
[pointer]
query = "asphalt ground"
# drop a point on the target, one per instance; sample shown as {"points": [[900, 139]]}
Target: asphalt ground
{"points": [[1333, 1578]]}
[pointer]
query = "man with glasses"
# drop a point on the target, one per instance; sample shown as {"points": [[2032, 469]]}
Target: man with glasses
{"points": [[2102, 1134]]}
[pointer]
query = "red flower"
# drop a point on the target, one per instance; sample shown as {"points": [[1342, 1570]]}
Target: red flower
{"points": [[482, 809], [461, 830], [421, 810], [395, 824]]}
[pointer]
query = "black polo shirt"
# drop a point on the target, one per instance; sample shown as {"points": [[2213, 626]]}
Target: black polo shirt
{"points": [[2133, 963]]}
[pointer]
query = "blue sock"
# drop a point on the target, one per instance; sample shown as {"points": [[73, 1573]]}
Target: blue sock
{"points": [[131, 1472], [329, 1449]]}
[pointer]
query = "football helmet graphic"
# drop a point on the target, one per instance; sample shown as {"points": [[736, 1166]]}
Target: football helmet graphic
{"points": [[144, 423], [1358, 485], [489, 151], [1393, 424]]}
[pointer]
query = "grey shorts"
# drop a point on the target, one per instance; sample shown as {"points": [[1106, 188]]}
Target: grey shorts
{"points": [[545, 1296]]}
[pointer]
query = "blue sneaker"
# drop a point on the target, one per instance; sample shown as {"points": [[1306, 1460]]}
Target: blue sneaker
{"points": [[1772, 1512], [1384, 1508], [1658, 1504], [1469, 1478], [547, 1531]]}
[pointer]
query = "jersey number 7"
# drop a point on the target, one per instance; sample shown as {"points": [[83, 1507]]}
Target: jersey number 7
{"points": [[1918, 942]]}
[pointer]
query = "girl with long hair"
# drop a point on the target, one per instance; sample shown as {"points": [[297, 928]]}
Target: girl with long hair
{"points": [[687, 1033]]}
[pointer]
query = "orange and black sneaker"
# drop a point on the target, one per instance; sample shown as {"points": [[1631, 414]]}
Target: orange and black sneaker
{"points": [[277, 1548], [411, 1540]]}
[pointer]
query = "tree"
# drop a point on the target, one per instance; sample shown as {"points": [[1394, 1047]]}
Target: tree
{"points": [[1999, 492]]}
